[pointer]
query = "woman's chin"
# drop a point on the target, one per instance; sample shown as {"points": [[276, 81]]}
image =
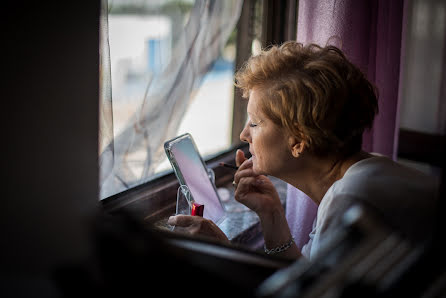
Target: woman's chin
{"points": [[256, 170], [255, 167]]}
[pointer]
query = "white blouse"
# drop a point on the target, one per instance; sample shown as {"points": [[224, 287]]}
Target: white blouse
{"points": [[403, 196]]}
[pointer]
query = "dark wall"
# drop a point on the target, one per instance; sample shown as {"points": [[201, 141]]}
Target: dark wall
{"points": [[49, 128]]}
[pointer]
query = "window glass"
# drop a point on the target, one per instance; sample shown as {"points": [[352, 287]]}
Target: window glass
{"points": [[165, 69], [208, 117]]}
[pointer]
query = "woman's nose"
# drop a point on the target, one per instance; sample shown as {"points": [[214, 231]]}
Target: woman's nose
{"points": [[244, 135]]}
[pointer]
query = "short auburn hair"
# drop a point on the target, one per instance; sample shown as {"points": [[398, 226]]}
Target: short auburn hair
{"points": [[314, 92]]}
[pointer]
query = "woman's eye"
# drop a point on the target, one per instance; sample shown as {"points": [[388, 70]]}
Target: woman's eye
{"points": [[252, 124]]}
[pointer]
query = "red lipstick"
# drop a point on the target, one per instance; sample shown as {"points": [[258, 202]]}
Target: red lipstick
{"points": [[197, 209]]}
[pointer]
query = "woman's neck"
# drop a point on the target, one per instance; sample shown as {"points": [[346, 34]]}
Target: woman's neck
{"points": [[315, 175]]}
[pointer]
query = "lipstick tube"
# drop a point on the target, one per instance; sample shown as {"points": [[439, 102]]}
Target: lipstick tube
{"points": [[197, 209]]}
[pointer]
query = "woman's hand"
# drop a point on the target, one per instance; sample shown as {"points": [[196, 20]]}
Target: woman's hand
{"points": [[197, 226], [258, 193], [254, 191]]}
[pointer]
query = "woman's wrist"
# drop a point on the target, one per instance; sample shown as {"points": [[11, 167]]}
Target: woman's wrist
{"points": [[275, 227], [271, 213], [279, 248]]}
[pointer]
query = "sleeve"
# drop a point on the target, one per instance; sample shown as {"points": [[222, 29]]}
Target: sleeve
{"points": [[306, 248], [329, 218]]}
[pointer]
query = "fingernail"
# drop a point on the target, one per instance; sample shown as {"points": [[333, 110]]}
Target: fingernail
{"points": [[259, 181], [172, 220]]}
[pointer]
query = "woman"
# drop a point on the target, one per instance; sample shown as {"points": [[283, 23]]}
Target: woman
{"points": [[308, 107]]}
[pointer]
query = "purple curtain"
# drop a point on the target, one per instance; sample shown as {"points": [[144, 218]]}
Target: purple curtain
{"points": [[370, 34]]}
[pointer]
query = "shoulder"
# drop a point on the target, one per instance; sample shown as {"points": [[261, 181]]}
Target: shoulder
{"points": [[403, 197], [329, 214], [378, 176]]}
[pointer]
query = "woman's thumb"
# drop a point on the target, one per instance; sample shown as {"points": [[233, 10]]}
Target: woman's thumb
{"points": [[239, 157]]}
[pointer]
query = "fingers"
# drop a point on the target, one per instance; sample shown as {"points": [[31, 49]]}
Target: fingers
{"points": [[245, 170], [245, 167], [242, 174], [239, 157], [186, 223], [246, 164], [258, 184], [244, 184], [184, 220], [197, 225], [247, 190]]}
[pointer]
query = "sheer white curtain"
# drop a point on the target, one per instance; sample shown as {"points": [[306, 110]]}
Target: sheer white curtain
{"points": [[198, 44]]}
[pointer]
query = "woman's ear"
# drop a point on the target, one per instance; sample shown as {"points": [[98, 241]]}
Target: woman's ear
{"points": [[297, 146]]}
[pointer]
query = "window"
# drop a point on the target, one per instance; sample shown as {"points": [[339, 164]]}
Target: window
{"points": [[171, 70], [188, 79]]}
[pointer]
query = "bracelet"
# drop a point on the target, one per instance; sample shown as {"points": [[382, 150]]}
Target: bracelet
{"points": [[278, 249]]}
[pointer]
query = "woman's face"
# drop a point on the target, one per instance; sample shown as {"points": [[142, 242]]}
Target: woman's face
{"points": [[268, 142]]}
